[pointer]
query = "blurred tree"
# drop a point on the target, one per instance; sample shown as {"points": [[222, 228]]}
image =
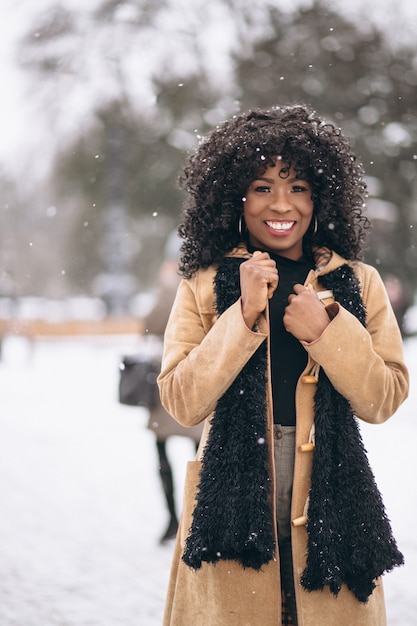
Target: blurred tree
{"points": [[11, 237], [142, 81], [349, 73], [29, 238], [118, 182]]}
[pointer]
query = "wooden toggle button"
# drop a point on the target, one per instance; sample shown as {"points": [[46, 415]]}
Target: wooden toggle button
{"points": [[300, 521], [308, 378], [306, 447]]}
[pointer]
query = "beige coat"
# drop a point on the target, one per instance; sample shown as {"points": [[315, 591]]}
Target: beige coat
{"points": [[160, 422], [202, 356]]}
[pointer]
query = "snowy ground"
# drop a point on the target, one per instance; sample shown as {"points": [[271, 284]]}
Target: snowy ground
{"points": [[81, 505]]}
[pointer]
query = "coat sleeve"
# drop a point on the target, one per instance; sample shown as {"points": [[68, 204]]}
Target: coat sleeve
{"points": [[203, 354], [366, 365]]}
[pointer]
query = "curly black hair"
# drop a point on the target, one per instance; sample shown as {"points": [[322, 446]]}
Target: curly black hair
{"points": [[217, 175]]}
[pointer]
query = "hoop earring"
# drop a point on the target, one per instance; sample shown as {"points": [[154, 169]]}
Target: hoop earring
{"points": [[241, 226], [315, 226]]}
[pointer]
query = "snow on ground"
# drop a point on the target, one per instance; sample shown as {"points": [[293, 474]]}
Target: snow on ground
{"points": [[82, 509]]}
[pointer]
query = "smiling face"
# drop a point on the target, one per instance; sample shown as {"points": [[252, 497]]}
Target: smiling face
{"points": [[278, 209]]}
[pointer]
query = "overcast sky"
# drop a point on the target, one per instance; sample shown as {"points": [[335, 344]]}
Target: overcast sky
{"points": [[19, 131]]}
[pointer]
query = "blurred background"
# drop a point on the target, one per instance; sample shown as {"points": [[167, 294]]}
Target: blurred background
{"points": [[100, 102], [101, 99]]}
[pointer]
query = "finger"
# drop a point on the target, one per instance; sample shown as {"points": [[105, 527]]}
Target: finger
{"points": [[272, 285], [298, 288], [311, 290], [262, 256], [274, 277]]}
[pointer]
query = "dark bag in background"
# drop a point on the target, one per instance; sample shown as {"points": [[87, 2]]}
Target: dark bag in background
{"points": [[137, 382]]}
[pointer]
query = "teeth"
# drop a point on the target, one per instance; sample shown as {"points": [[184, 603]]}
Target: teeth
{"points": [[280, 225]]}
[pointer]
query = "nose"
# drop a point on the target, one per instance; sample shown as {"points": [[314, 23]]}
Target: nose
{"points": [[281, 203]]}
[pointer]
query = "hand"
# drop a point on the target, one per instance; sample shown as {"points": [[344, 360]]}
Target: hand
{"points": [[305, 316], [258, 281]]}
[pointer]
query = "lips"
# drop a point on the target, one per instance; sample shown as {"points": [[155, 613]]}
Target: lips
{"points": [[280, 227]]}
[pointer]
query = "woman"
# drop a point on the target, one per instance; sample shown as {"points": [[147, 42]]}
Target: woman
{"points": [[159, 421], [278, 337]]}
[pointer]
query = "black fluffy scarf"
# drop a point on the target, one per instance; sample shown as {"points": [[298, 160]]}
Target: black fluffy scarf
{"points": [[349, 535]]}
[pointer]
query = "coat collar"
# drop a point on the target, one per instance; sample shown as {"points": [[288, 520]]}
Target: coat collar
{"points": [[326, 260]]}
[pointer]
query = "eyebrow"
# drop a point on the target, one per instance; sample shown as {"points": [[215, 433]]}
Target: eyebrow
{"points": [[272, 180], [267, 180]]}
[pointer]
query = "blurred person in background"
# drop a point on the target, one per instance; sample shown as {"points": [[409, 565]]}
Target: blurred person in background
{"points": [[400, 298], [162, 424]]}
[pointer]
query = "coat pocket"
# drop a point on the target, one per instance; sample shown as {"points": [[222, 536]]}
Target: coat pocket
{"points": [[192, 478]]}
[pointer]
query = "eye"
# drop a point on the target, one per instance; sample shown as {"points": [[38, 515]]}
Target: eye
{"points": [[262, 188], [299, 188]]}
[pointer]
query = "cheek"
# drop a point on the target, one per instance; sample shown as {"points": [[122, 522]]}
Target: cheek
{"points": [[307, 209], [249, 208]]}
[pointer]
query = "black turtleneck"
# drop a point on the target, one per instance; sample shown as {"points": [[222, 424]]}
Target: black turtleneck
{"points": [[288, 357]]}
